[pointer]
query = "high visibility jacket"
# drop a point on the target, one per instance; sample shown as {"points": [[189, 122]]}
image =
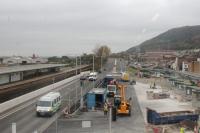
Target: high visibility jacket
{"points": [[105, 107], [182, 130]]}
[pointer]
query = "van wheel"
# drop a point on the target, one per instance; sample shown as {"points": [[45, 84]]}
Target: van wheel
{"points": [[50, 114], [37, 114]]}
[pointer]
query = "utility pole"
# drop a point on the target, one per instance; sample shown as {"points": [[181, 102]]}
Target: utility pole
{"points": [[13, 127], [110, 119], [93, 70], [76, 65], [53, 80], [81, 95], [93, 63], [80, 64], [102, 55], [101, 63], [81, 104], [76, 98]]}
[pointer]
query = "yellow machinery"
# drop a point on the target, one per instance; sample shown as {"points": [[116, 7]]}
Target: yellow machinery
{"points": [[125, 77], [123, 105]]}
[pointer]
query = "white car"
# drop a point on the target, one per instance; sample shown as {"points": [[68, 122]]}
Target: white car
{"points": [[93, 76]]}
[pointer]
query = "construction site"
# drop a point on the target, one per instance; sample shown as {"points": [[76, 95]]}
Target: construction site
{"points": [[168, 104], [132, 104], [118, 101], [108, 107]]}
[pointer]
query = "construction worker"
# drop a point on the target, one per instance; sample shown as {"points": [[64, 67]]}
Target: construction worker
{"points": [[182, 130], [105, 108]]}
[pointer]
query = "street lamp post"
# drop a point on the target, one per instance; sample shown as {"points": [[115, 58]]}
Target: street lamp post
{"points": [[93, 70], [76, 65], [81, 96], [76, 98], [80, 64], [101, 63], [93, 63], [81, 104]]}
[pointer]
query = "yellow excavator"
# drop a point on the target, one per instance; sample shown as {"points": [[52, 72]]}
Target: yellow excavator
{"points": [[123, 106]]}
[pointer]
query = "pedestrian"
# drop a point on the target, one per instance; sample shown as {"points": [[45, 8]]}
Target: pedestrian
{"points": [[105, 109]]}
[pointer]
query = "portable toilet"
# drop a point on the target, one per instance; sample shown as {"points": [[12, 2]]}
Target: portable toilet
{"points": [[90, 100], [96, 98]]}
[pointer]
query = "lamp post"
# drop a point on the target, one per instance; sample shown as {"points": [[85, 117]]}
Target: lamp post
{"points": [[80, 64], [101, 63], [81, 104], [76, 65], [93, 63]]}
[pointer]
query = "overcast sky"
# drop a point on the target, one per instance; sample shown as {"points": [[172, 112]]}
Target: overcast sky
{"points": [[70, 27]]}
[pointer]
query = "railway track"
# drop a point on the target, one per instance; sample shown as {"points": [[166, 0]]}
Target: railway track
{"points": [[8, 92]]}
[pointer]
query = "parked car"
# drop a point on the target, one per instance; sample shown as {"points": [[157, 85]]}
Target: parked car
{"points": [[93, 76]]}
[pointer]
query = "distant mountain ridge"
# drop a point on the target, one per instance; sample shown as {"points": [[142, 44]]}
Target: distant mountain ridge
{"points": [[182, 38]]}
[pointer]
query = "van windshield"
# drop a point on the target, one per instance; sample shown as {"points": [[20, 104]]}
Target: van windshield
{"points": [[44, 103], [111, 88]]}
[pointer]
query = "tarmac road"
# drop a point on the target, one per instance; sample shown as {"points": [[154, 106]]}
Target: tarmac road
{"points": [[133, 124], [26, 119]]}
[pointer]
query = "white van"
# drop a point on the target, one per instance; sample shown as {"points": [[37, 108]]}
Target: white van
{"points": [[111, 90], [93, 76], [48, 104]]}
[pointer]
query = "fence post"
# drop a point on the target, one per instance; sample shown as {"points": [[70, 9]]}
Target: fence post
{"points": [[13, 127], [69, 105]]}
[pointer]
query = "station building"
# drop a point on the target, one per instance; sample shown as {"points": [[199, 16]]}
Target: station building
{"points": [[9, 74]]}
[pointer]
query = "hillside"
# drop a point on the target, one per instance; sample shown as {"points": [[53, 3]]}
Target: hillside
{"points": [[182, 38]]}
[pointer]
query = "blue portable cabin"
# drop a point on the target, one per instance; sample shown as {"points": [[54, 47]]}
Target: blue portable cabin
{"points": [[96, 98], [156, 118]]}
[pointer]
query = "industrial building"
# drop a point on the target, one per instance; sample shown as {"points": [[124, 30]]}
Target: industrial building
{"points": [[23, 60], [11, 74]]}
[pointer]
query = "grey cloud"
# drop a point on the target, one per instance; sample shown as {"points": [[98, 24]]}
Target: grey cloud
{"points": [[57, 27]]}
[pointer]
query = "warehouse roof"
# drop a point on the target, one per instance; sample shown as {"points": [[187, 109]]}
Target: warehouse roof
{"points": [[21, 68]]}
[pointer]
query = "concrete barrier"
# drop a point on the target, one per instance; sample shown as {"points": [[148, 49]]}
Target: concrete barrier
{"points": [[22, 99]]}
